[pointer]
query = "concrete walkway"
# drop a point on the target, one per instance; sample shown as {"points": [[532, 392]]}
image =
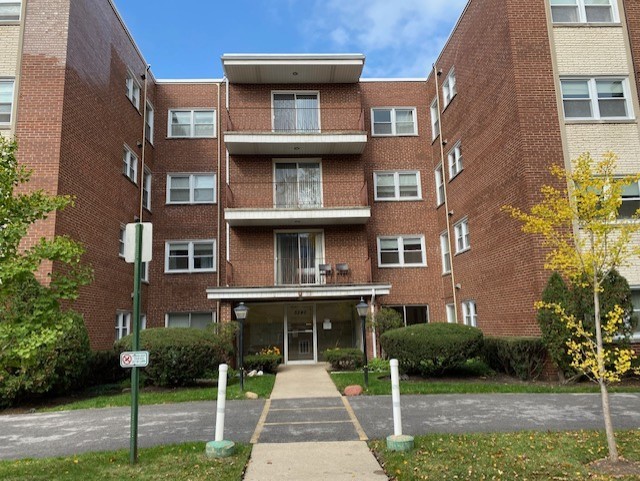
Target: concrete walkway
{"points": [[307, 431]]}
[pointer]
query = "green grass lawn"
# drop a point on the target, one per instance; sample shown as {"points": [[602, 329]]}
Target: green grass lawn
{"points": [[261, 385], [177, 462], [532, 456], [380, 383]]}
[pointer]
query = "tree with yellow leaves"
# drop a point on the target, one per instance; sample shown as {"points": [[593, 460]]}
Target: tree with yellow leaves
{"points": [[586, 239]]}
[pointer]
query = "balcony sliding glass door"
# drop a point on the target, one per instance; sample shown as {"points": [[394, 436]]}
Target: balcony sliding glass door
{"points": [[298, 255], [298, 184], [296, 113]]}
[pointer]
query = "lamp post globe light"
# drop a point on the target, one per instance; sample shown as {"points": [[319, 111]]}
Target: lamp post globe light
{"points": [[241, 312], [362, 309]]}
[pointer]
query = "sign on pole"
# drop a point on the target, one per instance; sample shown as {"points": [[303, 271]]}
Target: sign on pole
{"points": [[134, 359], [130, 242]]}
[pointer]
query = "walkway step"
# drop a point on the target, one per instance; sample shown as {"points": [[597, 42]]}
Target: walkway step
{"points": [[303, 381]]}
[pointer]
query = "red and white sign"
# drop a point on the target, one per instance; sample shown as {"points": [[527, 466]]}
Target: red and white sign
{"points": [[134, 359]]}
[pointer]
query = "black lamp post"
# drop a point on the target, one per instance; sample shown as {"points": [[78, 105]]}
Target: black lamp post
{"points": [[241, 314], [362, 309]]}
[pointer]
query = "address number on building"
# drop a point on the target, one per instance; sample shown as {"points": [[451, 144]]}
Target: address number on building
{"points": [[134, 359]]}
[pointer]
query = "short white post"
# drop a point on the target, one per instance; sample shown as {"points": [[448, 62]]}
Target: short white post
{"points": [[220, 448], [398, 441]]}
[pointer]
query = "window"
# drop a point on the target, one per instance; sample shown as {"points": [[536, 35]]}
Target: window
{"points": [[401, 251], [144, 272], [192, 123], [296, 112], [449, 87], [121, 241], [446, 254], [143, 321], [130, 164], [397, 185], [297, 184], [439, 185], [146, 189], [583, 11], [469, 315], [10, 11], [630, 201], [435, 119], [198, 320], [123, 324], [455, 161], [451, 313], [6, 101], [635, 300], [190, 256], [394, 121], [148, 127], [596, 98], [133, 90], [412, 314], [462, 236], [191, 189]]}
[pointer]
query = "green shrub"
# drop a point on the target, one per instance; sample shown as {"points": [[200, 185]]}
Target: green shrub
{"points": [[523, 357], [378, 365], [344, 359], [262, 362], [104, 368], [179, 356], [432, 349]]}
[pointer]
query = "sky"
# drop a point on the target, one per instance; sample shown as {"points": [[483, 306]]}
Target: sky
{"points": [[400, 38]]}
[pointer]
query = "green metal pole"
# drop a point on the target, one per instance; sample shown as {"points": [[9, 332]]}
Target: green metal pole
{"points": [[137, 268]]}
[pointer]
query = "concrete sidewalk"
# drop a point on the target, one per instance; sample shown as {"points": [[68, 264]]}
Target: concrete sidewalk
{"points": [[305, 406]]}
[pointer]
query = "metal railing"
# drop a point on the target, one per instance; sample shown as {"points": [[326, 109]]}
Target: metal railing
{"points": [[295, 120]]}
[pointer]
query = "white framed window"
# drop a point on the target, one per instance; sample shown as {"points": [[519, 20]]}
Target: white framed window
{"points": [[584, 11], [197, 320], [455, 160], [446, 254], [630, 201], [191, 189], [10, 10], [133, 89], [635, 300], [144, 272], [146, 189], [130, 164], [192, 123], [449, 87], [190, 256], [451, 313], [401, 251], [462, 236], [596, 98], [402, 185], [148, 127], [469, 316], [121, 238], [123, 324], [6, 100], [394, 121], [412, 314], [439, 174], [435, 119], [143, 321], [296, 112]]}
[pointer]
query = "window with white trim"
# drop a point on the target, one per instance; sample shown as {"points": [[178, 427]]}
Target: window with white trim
{"points": [[596, 98], [449, 87], [123, 324], [133, 90], [6, 101], [462, 236], [630, 201], [455, 160], [197, 320], [148, 127], [130, 164], [144, 272], [397, 185], [393, 121], [190, 256], [435, 119], [10, 10], [584, 11], [446, 254], [196, 123], [412, 314], [451, 313], [191, 189], [635, 300], [146, 189], [401, 251], [439, 174], [469, 316], [143, 321], [121, 240]]}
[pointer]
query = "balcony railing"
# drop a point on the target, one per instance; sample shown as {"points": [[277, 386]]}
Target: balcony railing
{"points": [[297, 195], [286, 271], [295, 120]]}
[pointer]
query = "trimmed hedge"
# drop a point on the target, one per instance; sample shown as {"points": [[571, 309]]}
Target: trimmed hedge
{"points": [[179, 356], [262, 362], [523, 357], [104, 368], [344, 359], [432, 349]]}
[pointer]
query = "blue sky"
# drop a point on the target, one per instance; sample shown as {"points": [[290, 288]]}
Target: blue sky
{"points": [[401, 38]]}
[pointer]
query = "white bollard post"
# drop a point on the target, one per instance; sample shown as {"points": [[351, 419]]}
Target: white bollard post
{"points": [[397, 441], [222, 399]]}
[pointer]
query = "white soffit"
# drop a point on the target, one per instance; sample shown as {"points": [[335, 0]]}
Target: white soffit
{"points": [[297, 292], [293, 69]]}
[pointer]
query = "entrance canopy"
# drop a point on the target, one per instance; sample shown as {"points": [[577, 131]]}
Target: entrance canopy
{"points": [[297, 292]]}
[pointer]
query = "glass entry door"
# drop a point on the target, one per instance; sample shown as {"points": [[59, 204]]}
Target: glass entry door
{"points": [[298, 255], [301, 333]]}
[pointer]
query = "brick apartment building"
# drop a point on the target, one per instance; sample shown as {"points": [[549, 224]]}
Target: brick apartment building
{"points": [[298, 187]]}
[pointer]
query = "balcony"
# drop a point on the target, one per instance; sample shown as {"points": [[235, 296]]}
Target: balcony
{"points": [[298, 202], [295, 126]]}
